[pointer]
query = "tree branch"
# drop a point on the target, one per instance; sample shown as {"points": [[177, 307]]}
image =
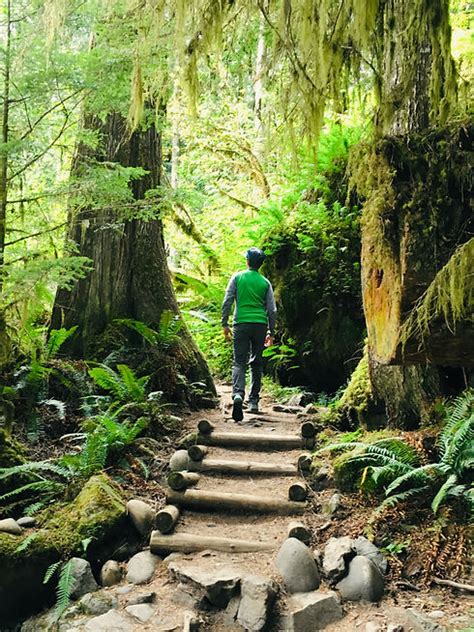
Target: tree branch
{"points": [[40, 232]]}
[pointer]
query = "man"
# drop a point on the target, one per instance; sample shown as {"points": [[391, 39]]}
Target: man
{"points": [[254, 324]]}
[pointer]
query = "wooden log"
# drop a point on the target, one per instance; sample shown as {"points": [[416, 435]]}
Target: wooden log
{"points": [[299, 531], [197, 452], [253, 440], [205, 427], [309, 442], [211, 500], [190, 542], [298, 492], [304, 463], [308, 429], [182, 480], [166, 518], [244, 467]]}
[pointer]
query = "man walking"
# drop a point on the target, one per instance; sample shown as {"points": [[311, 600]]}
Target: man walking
{"points": [[254, 324]]}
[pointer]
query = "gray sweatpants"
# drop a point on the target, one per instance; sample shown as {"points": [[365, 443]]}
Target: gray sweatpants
{"points": [[249, 338]]}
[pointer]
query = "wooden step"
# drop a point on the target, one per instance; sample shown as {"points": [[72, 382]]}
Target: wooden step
{"points": [[256, 441], [245, 503], [229, 466], [190, 542]]}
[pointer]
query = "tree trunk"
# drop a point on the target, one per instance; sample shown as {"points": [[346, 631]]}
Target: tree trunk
{"points": [[130, 278]]}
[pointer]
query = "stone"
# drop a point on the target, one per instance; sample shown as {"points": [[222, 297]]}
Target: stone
{"points": [[148, 597], [257, 597], [179, 461], [364, 581], [141, 567], [415, 621], [230, 614], [364, 547], [332, 505], [141, 515], [124, 590], [26, 522], [337, 552], [301, 399], [296, 565], [436, 614], [311, 611], [143, 611], [108, 622], [393, 627], [82, 578], [371, 626], [97, 603], [110, 573], [8, 525], [210, 587]]}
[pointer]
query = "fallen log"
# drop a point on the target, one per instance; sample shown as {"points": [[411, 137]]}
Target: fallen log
{"points": [[308, 429], [197, 452], [182, 480], [298, 492], [244, 467], [210, 500], [299, 531], [166, 518], [205, 427], [253, 440], [190, 542]]}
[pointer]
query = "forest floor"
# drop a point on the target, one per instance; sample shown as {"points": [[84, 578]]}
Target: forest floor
{"points": [[447, 608]]}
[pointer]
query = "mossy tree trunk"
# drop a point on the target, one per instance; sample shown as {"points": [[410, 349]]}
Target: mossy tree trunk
{"points": [[415, 183], [130, 277]]}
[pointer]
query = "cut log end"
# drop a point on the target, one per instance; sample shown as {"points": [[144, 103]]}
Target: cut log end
{"points": [[182, 480], [304, 463], [308, 430], [299, 531], [298, 492], [166, 518], [197, 452], [205, 427]]}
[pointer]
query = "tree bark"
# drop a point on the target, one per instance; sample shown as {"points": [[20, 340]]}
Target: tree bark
{"points": [[130, 278]]}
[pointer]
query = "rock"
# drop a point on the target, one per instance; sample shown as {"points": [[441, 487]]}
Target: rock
{"points": [[301, 399], [111, 621], [110, 573], [82, 578], [436, 614], [296, 565], [26, 522], [179, 461], [337, 552], [148, 597], [124, 590], [230, 614], [311, 611], [97, 603], [141, 567], [311, 409], [371, 626], [364, 581], [332, 505], [257, 596], [8, 525], [141, 515], [143, 611], [208, 587], [411, 619], [393, 627], [364, 547]]}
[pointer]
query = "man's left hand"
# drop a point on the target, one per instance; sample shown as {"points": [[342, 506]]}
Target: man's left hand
{"points": [[227, 334]]}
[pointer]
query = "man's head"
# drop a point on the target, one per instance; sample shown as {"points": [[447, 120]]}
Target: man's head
{"points": [[255, 258]]}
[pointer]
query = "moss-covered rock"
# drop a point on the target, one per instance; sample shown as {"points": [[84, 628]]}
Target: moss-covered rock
{"points": [[11, 451], [96, 516]]}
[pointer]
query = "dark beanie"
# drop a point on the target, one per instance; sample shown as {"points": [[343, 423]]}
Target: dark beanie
{"points": [[255, 257]]}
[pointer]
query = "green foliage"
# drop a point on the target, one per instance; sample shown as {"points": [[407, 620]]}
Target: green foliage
{"points": [[282, 355], [168, 333], [123, 384]]}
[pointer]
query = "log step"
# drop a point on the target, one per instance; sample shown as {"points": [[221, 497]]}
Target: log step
{"points": [[190, 542], [228, 466], [254, 440], [245, 503]]}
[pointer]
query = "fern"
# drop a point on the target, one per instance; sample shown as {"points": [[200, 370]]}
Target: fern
{"points": [[57, 337], [50, 571], [26, 542], [147, 333], [58, 405], [64, 589], [124, 385]]}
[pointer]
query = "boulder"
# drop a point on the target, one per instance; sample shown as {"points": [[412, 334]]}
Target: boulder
{"points": [[97, 603], [364, 547], [26, 522], [311, 611], [141, 567], [148, 597], [210, 588], [111, 620], [257, 596], [301, 399], [143, 611], [297, 566], [110, 573], [332, 505], [9, 525], [363, 582], [82, 578], [141, 515], [179, 461], [337, 552]]}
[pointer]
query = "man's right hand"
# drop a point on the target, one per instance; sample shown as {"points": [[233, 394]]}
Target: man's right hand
{"points": [[227, 333]]}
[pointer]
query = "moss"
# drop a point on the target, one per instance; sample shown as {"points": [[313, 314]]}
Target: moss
{"points": [[11, 451], [345, 475]]}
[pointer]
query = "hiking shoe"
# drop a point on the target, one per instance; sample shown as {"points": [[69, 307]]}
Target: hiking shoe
{"points": [[237, 414], [253, 407]]}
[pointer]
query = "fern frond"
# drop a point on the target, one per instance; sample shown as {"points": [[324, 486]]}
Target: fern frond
{"points": [[57, 338], [147, 333], [134, 385], [35, 468], [26, 542], [461, 439], [424, 475], [58, 405], [443, 492], [106, 378], [52, 568], [49, 487], [64, 589]]}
